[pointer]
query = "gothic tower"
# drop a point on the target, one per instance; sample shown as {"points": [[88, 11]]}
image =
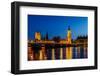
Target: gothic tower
{"points": [[69, 53], [37, 36], [69, 36]]}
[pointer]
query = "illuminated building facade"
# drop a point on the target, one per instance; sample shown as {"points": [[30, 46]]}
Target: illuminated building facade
{"points": [[37, 36], [69, 40]]}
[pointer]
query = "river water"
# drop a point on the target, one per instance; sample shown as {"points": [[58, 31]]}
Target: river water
{"points": [[67, 53]]}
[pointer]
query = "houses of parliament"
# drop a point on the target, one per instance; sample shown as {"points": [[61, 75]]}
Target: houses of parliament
{"points": [[45, 49]]}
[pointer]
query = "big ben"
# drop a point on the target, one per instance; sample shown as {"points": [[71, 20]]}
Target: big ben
{"points": [[69, 49], [69, 36]]}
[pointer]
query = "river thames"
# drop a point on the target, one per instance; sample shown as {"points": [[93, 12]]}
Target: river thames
{"points": [[67, 53]]}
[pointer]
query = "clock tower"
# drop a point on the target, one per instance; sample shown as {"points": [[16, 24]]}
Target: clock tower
{"points": [[69, 36]]}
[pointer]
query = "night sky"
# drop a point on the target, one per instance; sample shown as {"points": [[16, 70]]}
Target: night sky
{"points": [[57, 26]]}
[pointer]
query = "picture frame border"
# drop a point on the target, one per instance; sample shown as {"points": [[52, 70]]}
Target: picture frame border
{"points": [[15, 37]]}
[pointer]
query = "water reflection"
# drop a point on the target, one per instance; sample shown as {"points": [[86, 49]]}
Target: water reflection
{"points": [[67, 53], [58, 53]]}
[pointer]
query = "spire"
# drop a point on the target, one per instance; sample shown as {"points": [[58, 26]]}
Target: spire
{"points": [[68, 27], [47, 36]]}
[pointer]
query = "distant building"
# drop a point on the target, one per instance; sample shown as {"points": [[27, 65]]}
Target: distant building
{"points": [[37, 36], [82, 40]]}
